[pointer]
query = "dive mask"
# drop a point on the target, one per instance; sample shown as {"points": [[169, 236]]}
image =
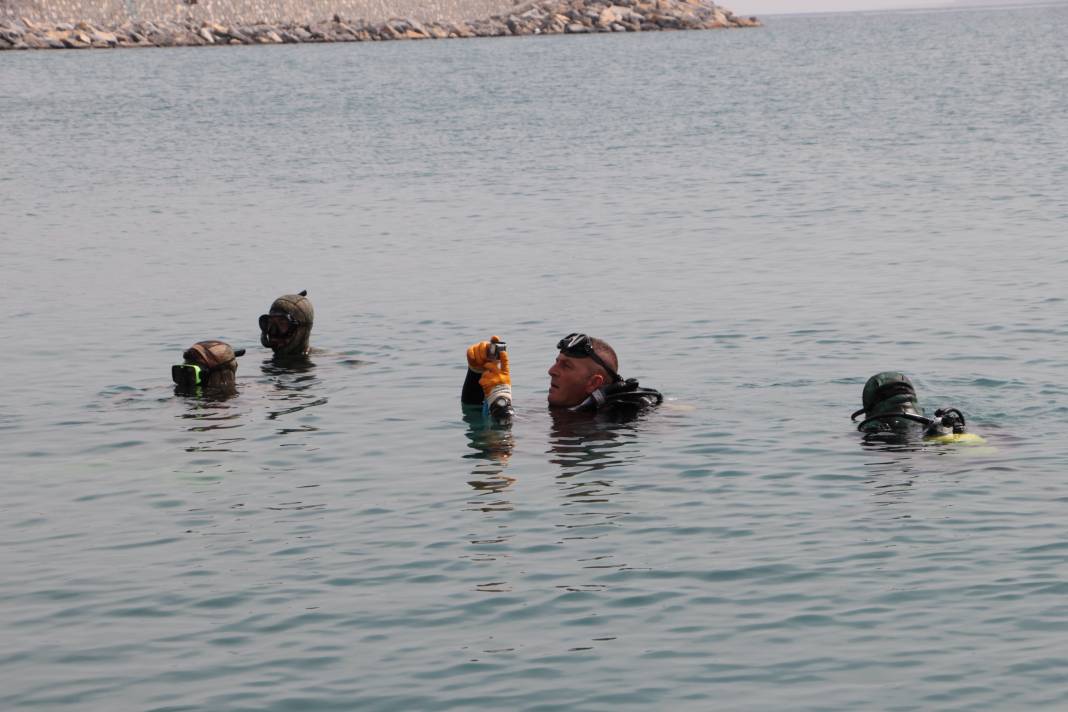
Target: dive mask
{"points": [[278, 324], [581, 346], [188, 376]]}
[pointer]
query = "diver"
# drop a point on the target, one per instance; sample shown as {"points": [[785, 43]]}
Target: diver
{"points": [[583, 379], [286, 327], [892, 411], [207, 368]]}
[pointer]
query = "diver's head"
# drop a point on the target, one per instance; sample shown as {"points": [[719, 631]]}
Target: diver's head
{"points": [[286, 327], [888, 393], [208, 365], [583, 365]]}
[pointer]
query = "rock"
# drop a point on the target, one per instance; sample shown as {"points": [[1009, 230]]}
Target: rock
{"points": [[526, 17], [608, 17]]}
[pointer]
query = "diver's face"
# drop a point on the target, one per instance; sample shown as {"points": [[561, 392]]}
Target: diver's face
{"points": [[278, 328], [572, 379]]}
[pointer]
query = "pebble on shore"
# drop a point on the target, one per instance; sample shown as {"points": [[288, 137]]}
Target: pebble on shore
{"points": [[537, 17]]}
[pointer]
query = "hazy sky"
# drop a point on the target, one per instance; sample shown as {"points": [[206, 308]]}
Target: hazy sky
{"points": [[767, 7]]}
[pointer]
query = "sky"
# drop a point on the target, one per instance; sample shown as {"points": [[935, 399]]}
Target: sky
{"points": [[771, 7]]}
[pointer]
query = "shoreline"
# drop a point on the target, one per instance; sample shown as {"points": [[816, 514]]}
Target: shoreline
{"points": [[539, 17]]}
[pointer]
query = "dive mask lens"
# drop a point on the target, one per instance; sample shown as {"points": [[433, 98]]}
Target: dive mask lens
{"points": [[188, 375], [278, 324]]}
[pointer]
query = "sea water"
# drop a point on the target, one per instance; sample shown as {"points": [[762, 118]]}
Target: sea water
{"points": [[757, 220]]}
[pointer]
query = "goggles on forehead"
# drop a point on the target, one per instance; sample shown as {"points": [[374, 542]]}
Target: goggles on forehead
{"points": [[581, 346], [270, 323]]}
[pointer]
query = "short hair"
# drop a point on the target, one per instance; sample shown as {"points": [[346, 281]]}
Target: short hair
{"points": [[605, 352]]}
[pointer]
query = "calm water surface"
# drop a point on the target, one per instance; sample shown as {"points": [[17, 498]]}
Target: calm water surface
{"points": [[757, 220]]}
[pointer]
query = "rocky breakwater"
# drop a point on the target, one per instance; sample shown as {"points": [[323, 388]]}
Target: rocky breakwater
{"points": [[541, 17]]}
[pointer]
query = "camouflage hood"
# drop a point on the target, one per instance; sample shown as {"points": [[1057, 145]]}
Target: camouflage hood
{"points": [[300, 314]]}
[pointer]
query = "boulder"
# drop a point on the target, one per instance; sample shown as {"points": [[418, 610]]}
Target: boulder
{"points": [[206, 34], [608, 16], [576, 28]]}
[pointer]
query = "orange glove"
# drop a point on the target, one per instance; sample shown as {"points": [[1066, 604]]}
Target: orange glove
{"points": [[482, 353], [496, 381]]}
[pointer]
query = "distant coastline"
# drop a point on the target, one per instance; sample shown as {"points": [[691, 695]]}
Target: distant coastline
{"points": [[72, 24]]}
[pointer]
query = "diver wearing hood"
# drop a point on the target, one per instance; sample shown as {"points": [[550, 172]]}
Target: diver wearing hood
{"points": [[208, 367], [286, 327], [892, 407]]}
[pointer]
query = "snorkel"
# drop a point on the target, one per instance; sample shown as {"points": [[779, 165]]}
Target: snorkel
{"points": [[286, 327]]}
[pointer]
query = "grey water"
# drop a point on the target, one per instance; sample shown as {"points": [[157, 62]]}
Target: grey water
{"points": [[757, 220]]}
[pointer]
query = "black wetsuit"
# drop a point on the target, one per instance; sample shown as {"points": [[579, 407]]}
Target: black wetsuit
{"points": [[471, 394], [617, 400]]}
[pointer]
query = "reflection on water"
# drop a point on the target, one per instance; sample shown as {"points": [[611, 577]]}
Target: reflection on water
{"points": [[492, 446], [212, 417], [293, 387]]}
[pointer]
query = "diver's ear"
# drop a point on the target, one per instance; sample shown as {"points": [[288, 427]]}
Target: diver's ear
{"points": [[595, 381]]}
